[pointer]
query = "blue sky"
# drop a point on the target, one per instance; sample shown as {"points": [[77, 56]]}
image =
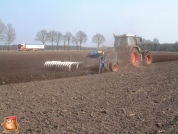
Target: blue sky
{"points": [[147, 18]]}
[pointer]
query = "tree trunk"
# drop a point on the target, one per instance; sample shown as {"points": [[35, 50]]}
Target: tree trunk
{"points": [[57, 46], [98, 46], [9, 47], [80, 46], [68, 45], [52, 46]]}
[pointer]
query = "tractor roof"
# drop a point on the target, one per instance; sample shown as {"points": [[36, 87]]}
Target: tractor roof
{"points": [[124, 35]]}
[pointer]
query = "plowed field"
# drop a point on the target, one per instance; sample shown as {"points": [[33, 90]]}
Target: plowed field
{"points": [[132, 100]]}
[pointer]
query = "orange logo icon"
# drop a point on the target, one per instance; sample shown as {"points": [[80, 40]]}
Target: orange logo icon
{"points": [[10, 124]]}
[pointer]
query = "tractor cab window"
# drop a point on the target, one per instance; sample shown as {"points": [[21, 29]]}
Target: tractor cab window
{"points": [[131, 41], [125, 41], [121, 41]]}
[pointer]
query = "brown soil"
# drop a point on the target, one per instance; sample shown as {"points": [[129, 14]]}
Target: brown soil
{"points": [[19, 67], [164, 56], [132, 100]]}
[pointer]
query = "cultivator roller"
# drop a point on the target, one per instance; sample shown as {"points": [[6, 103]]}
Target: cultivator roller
{"points": [[63, 66], [50, 64]]}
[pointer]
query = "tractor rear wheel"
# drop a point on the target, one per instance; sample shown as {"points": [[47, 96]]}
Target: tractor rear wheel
{"points": [[113, 67], [134, 57], [147, 59]]}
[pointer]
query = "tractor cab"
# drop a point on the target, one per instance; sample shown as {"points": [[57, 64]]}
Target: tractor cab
{"points": [[126, 40], [123, 42]]}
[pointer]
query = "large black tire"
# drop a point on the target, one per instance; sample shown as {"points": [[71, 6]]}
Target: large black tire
{"points": [[113, 67], [134, 57], [147, 59]]}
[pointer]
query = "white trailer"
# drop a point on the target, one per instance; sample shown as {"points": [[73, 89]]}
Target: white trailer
{"points": [[25, 47]]}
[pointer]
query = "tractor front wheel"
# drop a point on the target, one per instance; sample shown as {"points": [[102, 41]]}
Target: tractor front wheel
{"points": [[147, 59], [113, 67]]}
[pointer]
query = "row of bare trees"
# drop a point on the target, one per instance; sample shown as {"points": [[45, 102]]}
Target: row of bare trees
{"points": [[149, 45], [81, 37], [57, 37], [7, 34], [156, 46]]}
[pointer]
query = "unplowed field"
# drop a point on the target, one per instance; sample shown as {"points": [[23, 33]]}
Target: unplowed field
{"points": [[132, 100]]}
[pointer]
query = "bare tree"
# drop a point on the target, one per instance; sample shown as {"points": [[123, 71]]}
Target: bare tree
{"points": [[175, 47], [2, 30], [64, 40], [68, 38], [81, 37], [165, 46], [143, 44], [10, 35], [143, 41], [75, 41], [148, 44], [52, 37], [42, 36], [98, 39], [58, 39], [155, 43]]}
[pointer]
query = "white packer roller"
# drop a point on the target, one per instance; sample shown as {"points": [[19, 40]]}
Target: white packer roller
{"points": [[63, 66]]}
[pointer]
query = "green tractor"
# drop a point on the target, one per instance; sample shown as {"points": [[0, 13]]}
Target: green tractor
{"points": [[126, 51]]}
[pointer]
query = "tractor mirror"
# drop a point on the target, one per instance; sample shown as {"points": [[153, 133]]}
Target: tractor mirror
{"points": [[139, 40]]}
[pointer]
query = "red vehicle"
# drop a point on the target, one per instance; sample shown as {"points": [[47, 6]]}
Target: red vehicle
{"points": [[25, 47]]}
